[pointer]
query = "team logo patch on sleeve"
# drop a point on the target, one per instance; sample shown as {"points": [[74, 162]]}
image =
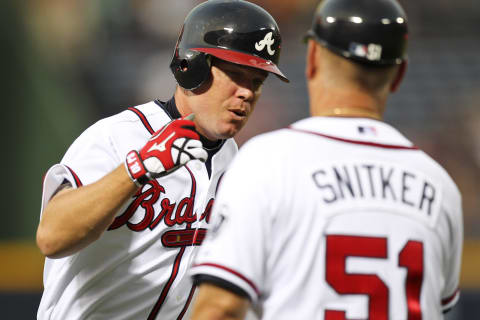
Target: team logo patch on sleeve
{"points": [[218, 221]]}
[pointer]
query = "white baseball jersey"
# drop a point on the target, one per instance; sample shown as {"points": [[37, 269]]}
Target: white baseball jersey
{"points": [[137, 269], [336, 218]]}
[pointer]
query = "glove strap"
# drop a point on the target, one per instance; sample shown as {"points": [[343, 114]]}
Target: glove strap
{"points": [[135, 168]]}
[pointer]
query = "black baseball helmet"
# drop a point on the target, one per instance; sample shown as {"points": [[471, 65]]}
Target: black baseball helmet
{"points": [[372, 32], [236, 31]]}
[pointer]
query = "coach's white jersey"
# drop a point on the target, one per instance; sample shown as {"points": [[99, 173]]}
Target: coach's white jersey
{"points": [[337, 218], [137, 269]]}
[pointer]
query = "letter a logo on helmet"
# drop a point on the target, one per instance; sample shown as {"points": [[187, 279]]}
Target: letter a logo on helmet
{"points": [[235, 31], [266, 42]]}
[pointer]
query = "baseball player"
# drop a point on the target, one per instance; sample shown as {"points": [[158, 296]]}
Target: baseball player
{"points": [[128, 205], [338, 216]]}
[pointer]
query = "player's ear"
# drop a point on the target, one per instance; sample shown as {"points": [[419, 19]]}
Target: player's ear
{"points": [[399, 76], [311, 62]]}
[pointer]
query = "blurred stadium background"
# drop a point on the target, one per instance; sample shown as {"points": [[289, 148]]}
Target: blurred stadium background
{"points": [[66, 64]]}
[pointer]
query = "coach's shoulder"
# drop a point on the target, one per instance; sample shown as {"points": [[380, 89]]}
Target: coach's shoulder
{"points": [[272, 142]]}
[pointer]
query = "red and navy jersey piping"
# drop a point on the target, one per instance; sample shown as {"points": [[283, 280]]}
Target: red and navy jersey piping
{"points": [[161, 299], [364, 143], [168, 107], [78, 182], [449, 299], [236, 273], [143, 118]]}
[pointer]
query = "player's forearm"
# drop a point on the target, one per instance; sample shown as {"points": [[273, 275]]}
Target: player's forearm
{"points": [[74, 218], [211, 313], [215, 303]]}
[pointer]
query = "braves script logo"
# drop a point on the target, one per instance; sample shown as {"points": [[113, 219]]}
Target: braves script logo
{"points": [[266, 42], [170, 213]]}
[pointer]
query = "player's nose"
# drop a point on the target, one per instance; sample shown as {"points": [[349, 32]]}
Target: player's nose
{"points": [[245, 92]]}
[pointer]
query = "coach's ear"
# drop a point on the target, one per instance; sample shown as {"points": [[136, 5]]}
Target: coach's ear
{"points": [[311, 61], [399, 77]]}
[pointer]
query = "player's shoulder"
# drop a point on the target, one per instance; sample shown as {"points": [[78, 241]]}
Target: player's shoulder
{"points": [[287, 138], [149, 116], [267, 142], [276, 143], [262, 152], [150, 113], [349, 131], [442, 173], [126, 128]]}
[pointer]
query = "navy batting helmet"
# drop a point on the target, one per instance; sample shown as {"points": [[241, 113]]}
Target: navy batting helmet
{"points": [[372, 32], [236, 31]]}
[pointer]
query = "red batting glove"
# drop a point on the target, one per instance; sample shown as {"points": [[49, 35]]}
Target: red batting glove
{"points": [[167, 150]]}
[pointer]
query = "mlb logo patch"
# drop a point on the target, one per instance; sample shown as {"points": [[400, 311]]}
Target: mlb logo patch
{"points": [[358, 49], [367, 130], [372, 51]]}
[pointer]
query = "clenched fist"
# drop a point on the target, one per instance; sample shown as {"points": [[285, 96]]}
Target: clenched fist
{"points": [[167, 150]]}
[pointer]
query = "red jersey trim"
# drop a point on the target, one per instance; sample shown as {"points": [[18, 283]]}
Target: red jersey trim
{"points": [[236, 273], [449, 299], [77, 179], [189, 299], [176, 266], [158, 305], [364, 143]]}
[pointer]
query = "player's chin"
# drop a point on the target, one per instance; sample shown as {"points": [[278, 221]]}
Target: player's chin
{"points": [[230, 129]]}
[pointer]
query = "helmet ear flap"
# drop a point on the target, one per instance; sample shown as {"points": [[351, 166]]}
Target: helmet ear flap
{"points": [[191, 69]]}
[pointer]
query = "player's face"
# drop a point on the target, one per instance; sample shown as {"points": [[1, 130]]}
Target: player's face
{"points": [[227, 101]]}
